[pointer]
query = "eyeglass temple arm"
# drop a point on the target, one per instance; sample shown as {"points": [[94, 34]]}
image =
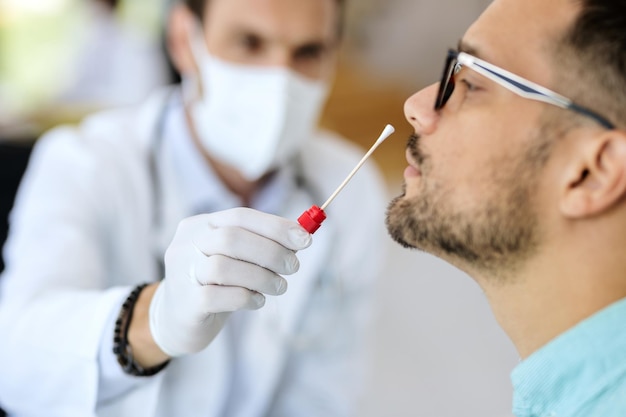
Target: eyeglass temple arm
{"points": [[527, 89]]}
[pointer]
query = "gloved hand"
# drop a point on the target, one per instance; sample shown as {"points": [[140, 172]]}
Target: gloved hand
{"points": [[218, 263]]}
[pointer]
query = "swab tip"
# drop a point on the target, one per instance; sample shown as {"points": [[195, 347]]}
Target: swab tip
{"points": [[389, 130], [386, 133]]}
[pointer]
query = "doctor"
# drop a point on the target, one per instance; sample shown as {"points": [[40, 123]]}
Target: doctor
{"points": [[231, 322]]}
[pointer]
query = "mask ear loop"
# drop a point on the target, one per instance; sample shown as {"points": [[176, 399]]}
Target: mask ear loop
{"points": [[191, 87]]}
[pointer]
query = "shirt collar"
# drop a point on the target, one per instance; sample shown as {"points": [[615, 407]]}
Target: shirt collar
{"points": [[200, 186], [573, 368]]}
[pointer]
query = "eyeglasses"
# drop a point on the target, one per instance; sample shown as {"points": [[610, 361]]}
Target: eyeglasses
{"points": [[516, 84]]}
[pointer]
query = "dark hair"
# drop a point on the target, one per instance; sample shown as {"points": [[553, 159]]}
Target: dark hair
{"points": [[197, 7], [594, 49], [111, 4]]}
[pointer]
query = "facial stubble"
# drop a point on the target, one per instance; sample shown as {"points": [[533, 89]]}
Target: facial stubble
{"points": [[499, 232]]}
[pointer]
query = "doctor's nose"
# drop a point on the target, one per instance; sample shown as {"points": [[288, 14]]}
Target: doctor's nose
{"points": [[419, 110], [282, 59], [277, 56]]}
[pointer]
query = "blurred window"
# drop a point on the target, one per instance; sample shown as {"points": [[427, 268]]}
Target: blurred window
{"points": [[61, 59]]}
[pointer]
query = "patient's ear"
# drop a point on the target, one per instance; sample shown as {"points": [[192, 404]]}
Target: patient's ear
{"points": [[596, 178]]}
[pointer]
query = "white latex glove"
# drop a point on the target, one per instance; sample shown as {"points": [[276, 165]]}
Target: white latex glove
{"points": [[218, 263]]}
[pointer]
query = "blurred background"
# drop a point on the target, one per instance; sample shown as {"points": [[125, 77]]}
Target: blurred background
{"points": [[437, 351]]}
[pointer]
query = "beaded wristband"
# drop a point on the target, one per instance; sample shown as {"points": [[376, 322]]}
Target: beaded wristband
{"points": [[121, 347]]}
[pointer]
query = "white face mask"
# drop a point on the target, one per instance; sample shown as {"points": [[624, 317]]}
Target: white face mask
{"points": [[253, 118]]}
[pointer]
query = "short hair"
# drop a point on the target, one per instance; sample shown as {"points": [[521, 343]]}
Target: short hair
{"points": [[197, 7], [594, 52]]}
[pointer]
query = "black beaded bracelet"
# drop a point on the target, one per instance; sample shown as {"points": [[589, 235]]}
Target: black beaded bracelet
{"points": [[121, 347]]}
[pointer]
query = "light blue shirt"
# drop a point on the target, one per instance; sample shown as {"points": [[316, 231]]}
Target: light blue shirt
{"points": [[581, 373]]}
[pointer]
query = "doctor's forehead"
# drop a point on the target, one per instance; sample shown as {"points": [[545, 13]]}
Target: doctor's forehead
{"points": [[292, 20]]}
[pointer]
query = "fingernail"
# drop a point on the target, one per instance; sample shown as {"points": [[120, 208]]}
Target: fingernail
{"points": [[292, 263], [300, 237], [281, 286], [259, 300]]}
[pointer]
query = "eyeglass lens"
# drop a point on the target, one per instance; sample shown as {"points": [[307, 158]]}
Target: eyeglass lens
{"points": [[446, 86]]}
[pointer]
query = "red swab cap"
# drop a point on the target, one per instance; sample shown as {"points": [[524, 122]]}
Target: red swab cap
{"points": [[312, 219]]}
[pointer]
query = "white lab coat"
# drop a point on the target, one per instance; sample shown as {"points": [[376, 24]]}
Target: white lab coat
{"points": [[82, 236]]}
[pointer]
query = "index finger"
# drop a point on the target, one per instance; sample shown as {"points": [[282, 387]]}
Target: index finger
{"points": [[286, 232]]}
